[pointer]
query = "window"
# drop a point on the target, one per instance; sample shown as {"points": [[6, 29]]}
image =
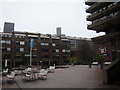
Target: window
{"points": [[63, 50], [67, 50], [17, 56], [57, 50], [22, 43], [55, 56], [53, 44], [34, 55], [5, 42], [8, 42], [8, 49], [44, 44], [3, 48], [21, 49], [17, 42], [5, 35], [2, 41], [16, 36]]}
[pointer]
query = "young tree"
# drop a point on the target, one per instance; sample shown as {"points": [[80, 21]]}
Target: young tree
{"points": [[73, 60], [100, 59]]}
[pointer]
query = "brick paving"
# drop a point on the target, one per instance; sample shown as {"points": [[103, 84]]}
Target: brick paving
{"points": [[78, 76]]}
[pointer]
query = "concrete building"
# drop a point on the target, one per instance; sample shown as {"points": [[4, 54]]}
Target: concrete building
{"points": [[47, 48], [105, 17], [8, 27], [58, 31]]}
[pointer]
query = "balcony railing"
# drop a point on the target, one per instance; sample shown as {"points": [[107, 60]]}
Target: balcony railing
{"points": [[96, 6], [102, 23], [104, 12]]}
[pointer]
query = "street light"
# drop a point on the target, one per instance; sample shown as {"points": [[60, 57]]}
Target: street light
{"points": [[41, 63]]}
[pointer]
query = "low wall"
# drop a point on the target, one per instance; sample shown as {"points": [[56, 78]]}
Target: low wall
{"points": [[111, 72]]}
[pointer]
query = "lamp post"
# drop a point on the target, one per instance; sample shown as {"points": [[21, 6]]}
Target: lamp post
{"points": [[41, 63], [30, 56], [31, 47], [6, 61]]}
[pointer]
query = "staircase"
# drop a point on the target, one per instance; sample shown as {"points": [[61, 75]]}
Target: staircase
{"points": [[111, 74]]}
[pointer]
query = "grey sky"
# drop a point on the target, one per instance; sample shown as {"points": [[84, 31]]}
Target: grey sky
{"points": [[44, 17]]}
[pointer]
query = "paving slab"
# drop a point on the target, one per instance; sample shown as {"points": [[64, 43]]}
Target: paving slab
{"points": [[78, 76]]}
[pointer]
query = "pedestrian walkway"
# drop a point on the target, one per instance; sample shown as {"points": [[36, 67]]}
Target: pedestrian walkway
{"points": [[78, 76]]}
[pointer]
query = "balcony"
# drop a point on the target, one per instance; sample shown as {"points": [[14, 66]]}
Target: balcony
{"points": [[104, 12], [103, 25], [89, 2], [97, 6], [106, 38]]}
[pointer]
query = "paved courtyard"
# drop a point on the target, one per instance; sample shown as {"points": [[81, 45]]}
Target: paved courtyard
{"points": [[79, 76]]}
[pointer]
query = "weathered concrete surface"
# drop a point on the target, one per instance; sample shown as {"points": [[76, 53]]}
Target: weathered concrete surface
{"points": [[79, 76]]}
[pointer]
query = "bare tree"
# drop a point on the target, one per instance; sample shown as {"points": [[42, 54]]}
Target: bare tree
{"points": [[86, 52]]}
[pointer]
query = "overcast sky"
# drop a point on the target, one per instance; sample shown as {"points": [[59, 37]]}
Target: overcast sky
{"points": [[44, 16]]}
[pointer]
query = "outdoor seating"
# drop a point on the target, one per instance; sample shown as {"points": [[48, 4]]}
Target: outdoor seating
{"points": [[43, 73], [31, 74], [16, 72], [11, 76], [35, 74], [52, 69], [5, 70], [29, 69], [28, 76]]}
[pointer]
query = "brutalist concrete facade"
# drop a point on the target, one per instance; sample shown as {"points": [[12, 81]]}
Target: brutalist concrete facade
{"points": [[105, 17]]}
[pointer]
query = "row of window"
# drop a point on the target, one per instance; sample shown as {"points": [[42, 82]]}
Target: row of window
{"points": [[5, 35], [5, 42], [43, 50], [9, 49], [20, 42], [44, 44], [9, 42], [23, 43], [17, 36]]}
